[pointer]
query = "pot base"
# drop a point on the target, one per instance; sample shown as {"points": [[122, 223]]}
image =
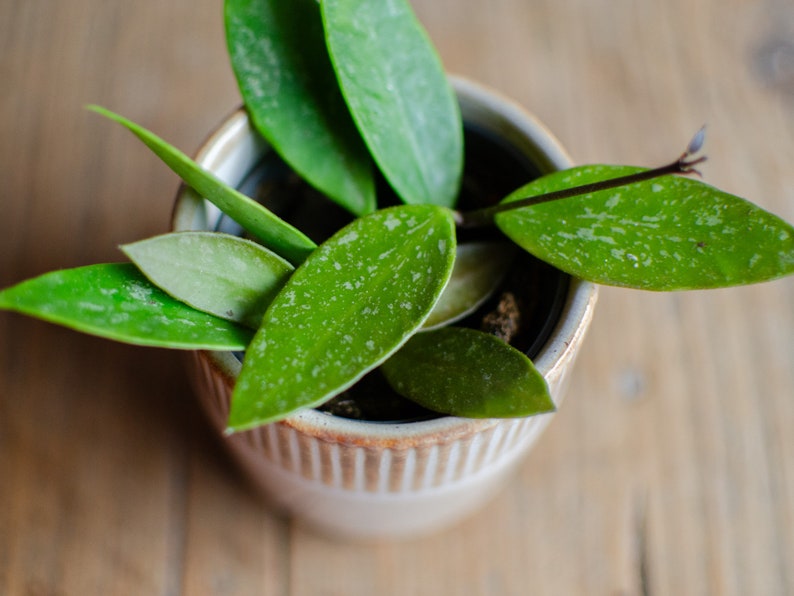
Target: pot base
{"points": [[408, 480]]}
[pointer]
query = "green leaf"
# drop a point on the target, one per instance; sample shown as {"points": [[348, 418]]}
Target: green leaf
{"points": [[265, 226], [354, 302], [279, 56], [670, 233], [117, 302], [394, 84], [219, 274], [479, 267], [463, 372]]}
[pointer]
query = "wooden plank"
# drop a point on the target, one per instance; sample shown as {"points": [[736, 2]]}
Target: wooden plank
{"points": [[233, 542], [669, 469]]}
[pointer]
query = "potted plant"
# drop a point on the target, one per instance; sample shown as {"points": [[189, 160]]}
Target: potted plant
{"points": [[384, 304], [401, 477]]}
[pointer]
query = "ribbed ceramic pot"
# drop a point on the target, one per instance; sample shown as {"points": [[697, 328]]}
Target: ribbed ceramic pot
{"points": [[374, 480]]}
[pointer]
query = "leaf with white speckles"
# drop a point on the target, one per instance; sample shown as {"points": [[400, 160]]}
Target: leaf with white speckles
{"points": [[223, 275], [479, 267], [395, 86], [352, 304], [669, 233], [463, 372], [278, 54], [117, 302]]}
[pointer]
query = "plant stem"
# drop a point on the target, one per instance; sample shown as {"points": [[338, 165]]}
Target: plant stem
{"points": [[483, 217]]}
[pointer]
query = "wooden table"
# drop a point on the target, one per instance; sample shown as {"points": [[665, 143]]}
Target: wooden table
{"points": [[670, 467]]}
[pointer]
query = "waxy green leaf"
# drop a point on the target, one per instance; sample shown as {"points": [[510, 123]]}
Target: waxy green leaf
{"points": [[670, 233], [117, 302], [479, 267], [264, 225], [354, 302], [396, 89], [223, 275], [279, 56], [463, 372]]}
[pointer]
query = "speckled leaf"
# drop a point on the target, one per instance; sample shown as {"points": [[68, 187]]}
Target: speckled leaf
{"points": [[223, 275], [265, 226], [396, 89], [479, 267], [278, 54], [670, 233], [117, 302], [354, 301], [463, 372]]}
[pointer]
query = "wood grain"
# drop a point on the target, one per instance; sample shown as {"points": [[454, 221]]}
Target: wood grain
{"points": [[670, 468]]}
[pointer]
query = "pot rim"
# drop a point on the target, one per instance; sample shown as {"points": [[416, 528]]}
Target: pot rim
{"points": [[521, 128]]}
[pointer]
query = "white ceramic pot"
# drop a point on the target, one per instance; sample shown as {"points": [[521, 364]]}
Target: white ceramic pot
{"points": [[374, 480]]}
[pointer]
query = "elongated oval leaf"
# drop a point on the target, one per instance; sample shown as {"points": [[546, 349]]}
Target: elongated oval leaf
{"points": [[670, 233], [354, 301], [117, 302], [479, 267], [278, 54], [395, 87], [223, 275], [463, 372], [264, 225]]}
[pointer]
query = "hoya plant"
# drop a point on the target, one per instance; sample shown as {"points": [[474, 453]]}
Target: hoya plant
{"points": [[346, 91]]}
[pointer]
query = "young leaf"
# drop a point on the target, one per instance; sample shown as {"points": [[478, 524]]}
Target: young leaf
{"points": [[669, 233], [278, 54], [396, 89], [269, 229], [117, 302], [479, 267], [463, 372], [223, 275], [354, 301]]}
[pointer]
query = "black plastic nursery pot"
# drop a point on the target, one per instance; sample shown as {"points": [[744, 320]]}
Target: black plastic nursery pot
{"points": [[371, 464]]}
